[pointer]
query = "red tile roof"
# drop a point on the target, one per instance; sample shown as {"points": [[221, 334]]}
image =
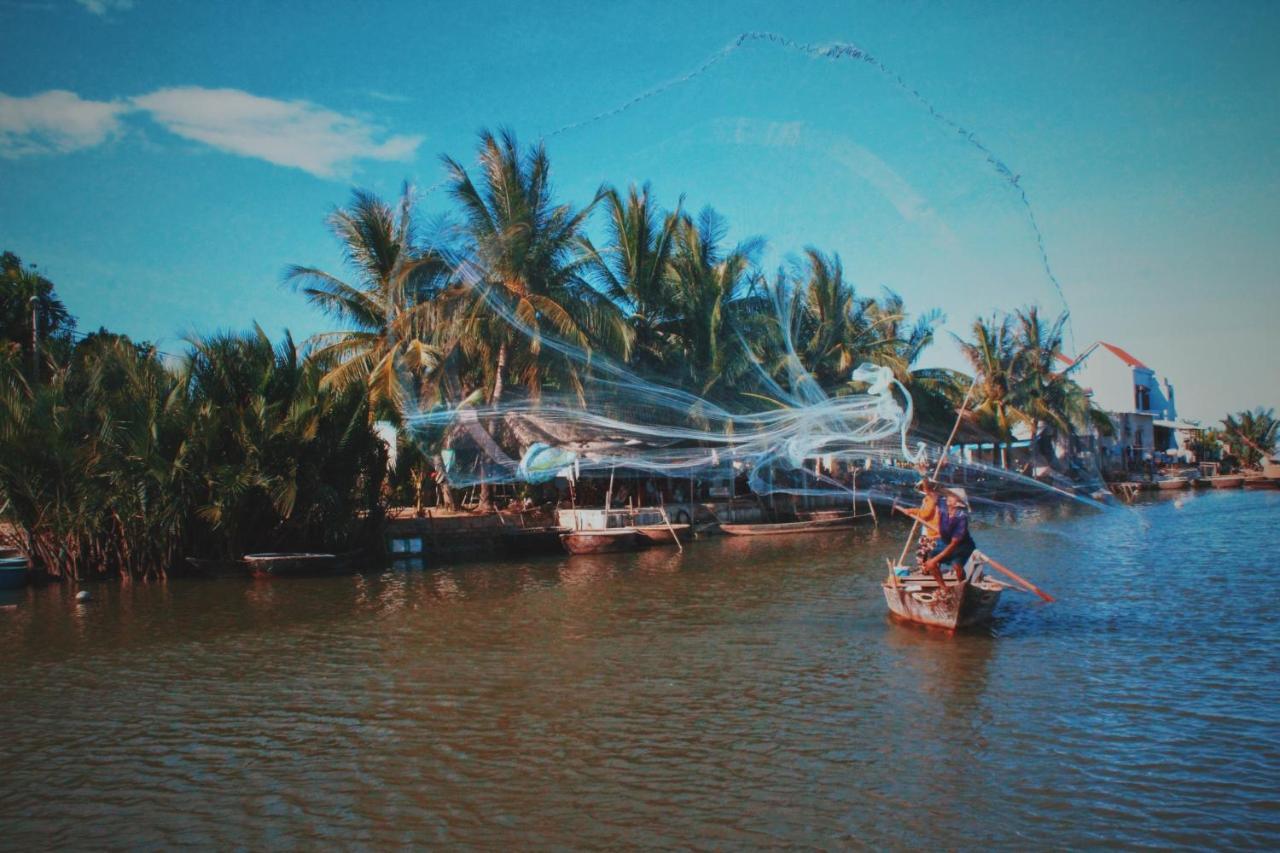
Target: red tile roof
{"points": [[1123, 356]]}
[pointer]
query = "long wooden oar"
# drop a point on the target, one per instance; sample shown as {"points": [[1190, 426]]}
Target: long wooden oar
{"points": [[1028, 585]]}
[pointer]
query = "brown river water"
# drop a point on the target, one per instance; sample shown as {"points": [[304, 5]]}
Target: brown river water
{"points": [[748, 693]]}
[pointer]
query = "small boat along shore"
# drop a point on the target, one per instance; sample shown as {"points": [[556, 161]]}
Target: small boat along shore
{"points": [[605, 540], [665, 534], [293, 564], [14, 571], [521, 541], [1222, 481], [810, 525]]}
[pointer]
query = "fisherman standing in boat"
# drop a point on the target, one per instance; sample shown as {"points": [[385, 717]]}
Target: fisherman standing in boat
{"points": [[927, 515], [955, 545]]}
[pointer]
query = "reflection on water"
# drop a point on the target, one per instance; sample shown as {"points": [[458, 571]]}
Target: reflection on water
{"points": [[748, 692]]}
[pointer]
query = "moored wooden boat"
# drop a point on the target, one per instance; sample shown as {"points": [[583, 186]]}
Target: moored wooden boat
{"points": [[294, 564], [13, 572], [604, 540], [1224, 481], [532, 540], [814, 525], [1258, 481], [1169, 483], [207, 568], [665, 534]]}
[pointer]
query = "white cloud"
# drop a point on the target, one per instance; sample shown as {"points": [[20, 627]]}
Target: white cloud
{"points": [[297, 134], [102, 7], [55, 122], [288, 133]]}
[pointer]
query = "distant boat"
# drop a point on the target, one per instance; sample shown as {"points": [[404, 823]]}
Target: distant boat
{"points": [[1223, 481], [294, 564], [206, 568], [812, 525], [13, 572], [532, 540], [665, 534], [604, 540], [1168, 483]]}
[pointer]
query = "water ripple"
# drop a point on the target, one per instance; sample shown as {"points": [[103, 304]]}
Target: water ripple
{"points": [[745, 694]]}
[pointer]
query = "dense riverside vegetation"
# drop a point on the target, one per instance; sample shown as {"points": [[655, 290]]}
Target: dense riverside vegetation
{"points": [[115, 459]]}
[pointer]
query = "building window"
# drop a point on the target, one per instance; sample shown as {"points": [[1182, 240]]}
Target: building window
{"points": [[1142, 398]]}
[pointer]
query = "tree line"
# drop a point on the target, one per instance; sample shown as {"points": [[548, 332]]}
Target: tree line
{"points": [[115, 459]]}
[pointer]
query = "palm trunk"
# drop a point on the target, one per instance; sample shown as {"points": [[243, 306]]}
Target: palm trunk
{"points": [[1035, 443], [486, 499]]}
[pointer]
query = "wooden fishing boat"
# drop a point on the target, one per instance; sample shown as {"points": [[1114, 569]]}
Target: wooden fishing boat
{"points": [[916, 598], [532, 540], [1224, 481], [814, 525], [13, 572], [1258, 481], [207, 568], [605, 540], [294, 564], [1169, 483], [665, 534]]}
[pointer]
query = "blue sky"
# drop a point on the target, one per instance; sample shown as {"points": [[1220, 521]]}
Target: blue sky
{"points": [[164, 161]]}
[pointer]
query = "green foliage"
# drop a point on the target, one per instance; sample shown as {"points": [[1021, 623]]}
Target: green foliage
{"points": [[1250, 435], [391, 323], [19, 284], [1021, 379], [118, 464]]}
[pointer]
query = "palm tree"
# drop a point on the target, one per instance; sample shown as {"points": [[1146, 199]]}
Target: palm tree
{"points": [[935, 392], [93, 463], [1040, 385], [993, 354], [526, 275], [1250, 435], [282, 459], [828, 323], [521, 258], [633, 267], [391, 342], [22, 288], [708, 290]]}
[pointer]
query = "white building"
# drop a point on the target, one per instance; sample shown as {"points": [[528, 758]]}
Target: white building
{"points": [[1142, 407]]}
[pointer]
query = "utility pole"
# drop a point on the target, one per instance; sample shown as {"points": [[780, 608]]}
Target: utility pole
{"points": [[35, 339]]}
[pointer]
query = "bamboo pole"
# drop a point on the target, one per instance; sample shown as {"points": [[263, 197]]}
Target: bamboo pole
{"points": [[937, 470], [663, 507]]}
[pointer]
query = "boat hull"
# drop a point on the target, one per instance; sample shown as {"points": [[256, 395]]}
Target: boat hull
{"points": [[917, 600], [13, 573], [299, 565], [603, 541], [661, 534], [1223, 482], [532, 540], [1169, 485], [205, 568], [787, 527]]}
